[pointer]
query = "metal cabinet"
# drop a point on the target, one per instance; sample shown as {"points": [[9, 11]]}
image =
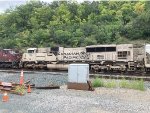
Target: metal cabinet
{"points": [[78, 73]]}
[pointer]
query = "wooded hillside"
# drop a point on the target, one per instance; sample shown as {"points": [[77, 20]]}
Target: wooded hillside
{"points": [[70, 24]]}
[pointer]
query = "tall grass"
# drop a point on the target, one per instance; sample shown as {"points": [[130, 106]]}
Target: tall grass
{"points": [[98, 82], [123, 83], [133, 84], [110, 84], [137, 84]]}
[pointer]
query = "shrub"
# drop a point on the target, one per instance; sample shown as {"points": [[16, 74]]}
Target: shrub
{"points": [[98, 82]]}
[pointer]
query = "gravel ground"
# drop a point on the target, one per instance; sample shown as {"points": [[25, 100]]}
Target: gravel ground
{"points": [[102, 100], [37, 78]]}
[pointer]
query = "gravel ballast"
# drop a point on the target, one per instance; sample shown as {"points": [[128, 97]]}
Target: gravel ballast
{"points": [[102, 100]]}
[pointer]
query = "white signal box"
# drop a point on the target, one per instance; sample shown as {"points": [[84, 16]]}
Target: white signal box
{"points": [[78, 73]]}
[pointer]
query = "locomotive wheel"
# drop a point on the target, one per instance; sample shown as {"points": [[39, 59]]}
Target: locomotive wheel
{"points": [[33, 66]]}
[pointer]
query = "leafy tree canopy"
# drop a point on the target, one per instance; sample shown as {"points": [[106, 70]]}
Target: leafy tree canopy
{"points": [[70, 24]]}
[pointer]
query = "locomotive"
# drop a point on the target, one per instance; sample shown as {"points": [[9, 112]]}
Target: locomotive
{"points": [[9, 58], [112, 57]]}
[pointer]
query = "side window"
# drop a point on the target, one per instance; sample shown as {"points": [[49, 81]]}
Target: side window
{"points": [[122, 54]]}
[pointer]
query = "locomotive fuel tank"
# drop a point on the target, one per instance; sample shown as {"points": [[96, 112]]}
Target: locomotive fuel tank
{"points": [[57, 66]]}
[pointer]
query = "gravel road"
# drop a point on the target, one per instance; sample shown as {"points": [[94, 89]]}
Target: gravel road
{"points": [[102, 100]]}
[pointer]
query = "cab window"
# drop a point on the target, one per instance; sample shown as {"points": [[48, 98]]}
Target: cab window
{"points": [[30, 51]]}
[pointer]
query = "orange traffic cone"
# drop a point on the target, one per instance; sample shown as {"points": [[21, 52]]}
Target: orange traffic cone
{"points": [[29, 89], [21, 78], [5, 97]]}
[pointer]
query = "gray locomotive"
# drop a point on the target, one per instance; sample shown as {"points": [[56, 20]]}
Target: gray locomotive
{"points": [[113, 57]]}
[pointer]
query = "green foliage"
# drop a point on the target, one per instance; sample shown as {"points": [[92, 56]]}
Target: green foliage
{"points": [[68, 23], [110, 84], [137, 84], [20, 89], [123, 83], [134, 84], [98, 82]]}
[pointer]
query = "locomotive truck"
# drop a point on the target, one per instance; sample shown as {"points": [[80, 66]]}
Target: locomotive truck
{"points": [[112, 57]]}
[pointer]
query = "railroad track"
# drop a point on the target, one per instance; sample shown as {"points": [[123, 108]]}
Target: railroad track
{"points": [[114, 75], [145, 77]]}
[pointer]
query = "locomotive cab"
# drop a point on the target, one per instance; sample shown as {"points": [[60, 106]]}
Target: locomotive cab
{"points": [[37, 58], [32, 50], [28, 58]]}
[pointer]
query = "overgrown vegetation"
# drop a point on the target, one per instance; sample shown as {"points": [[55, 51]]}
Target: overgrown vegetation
{"points": [[110, 84], [20, 89], [98, 82], [137, 84], [132, 84], [68, 23]]}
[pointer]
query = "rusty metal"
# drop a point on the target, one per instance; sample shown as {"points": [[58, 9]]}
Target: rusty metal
{"points": [[48, 87], [10, 87], [77, 86], [90, 86]]}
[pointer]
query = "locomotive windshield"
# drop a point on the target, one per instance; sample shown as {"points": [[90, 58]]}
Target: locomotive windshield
{"points": [[31, 50]]}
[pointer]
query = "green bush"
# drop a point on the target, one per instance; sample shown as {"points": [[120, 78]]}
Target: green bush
{"points": [[98, 82], [110, 84]]}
